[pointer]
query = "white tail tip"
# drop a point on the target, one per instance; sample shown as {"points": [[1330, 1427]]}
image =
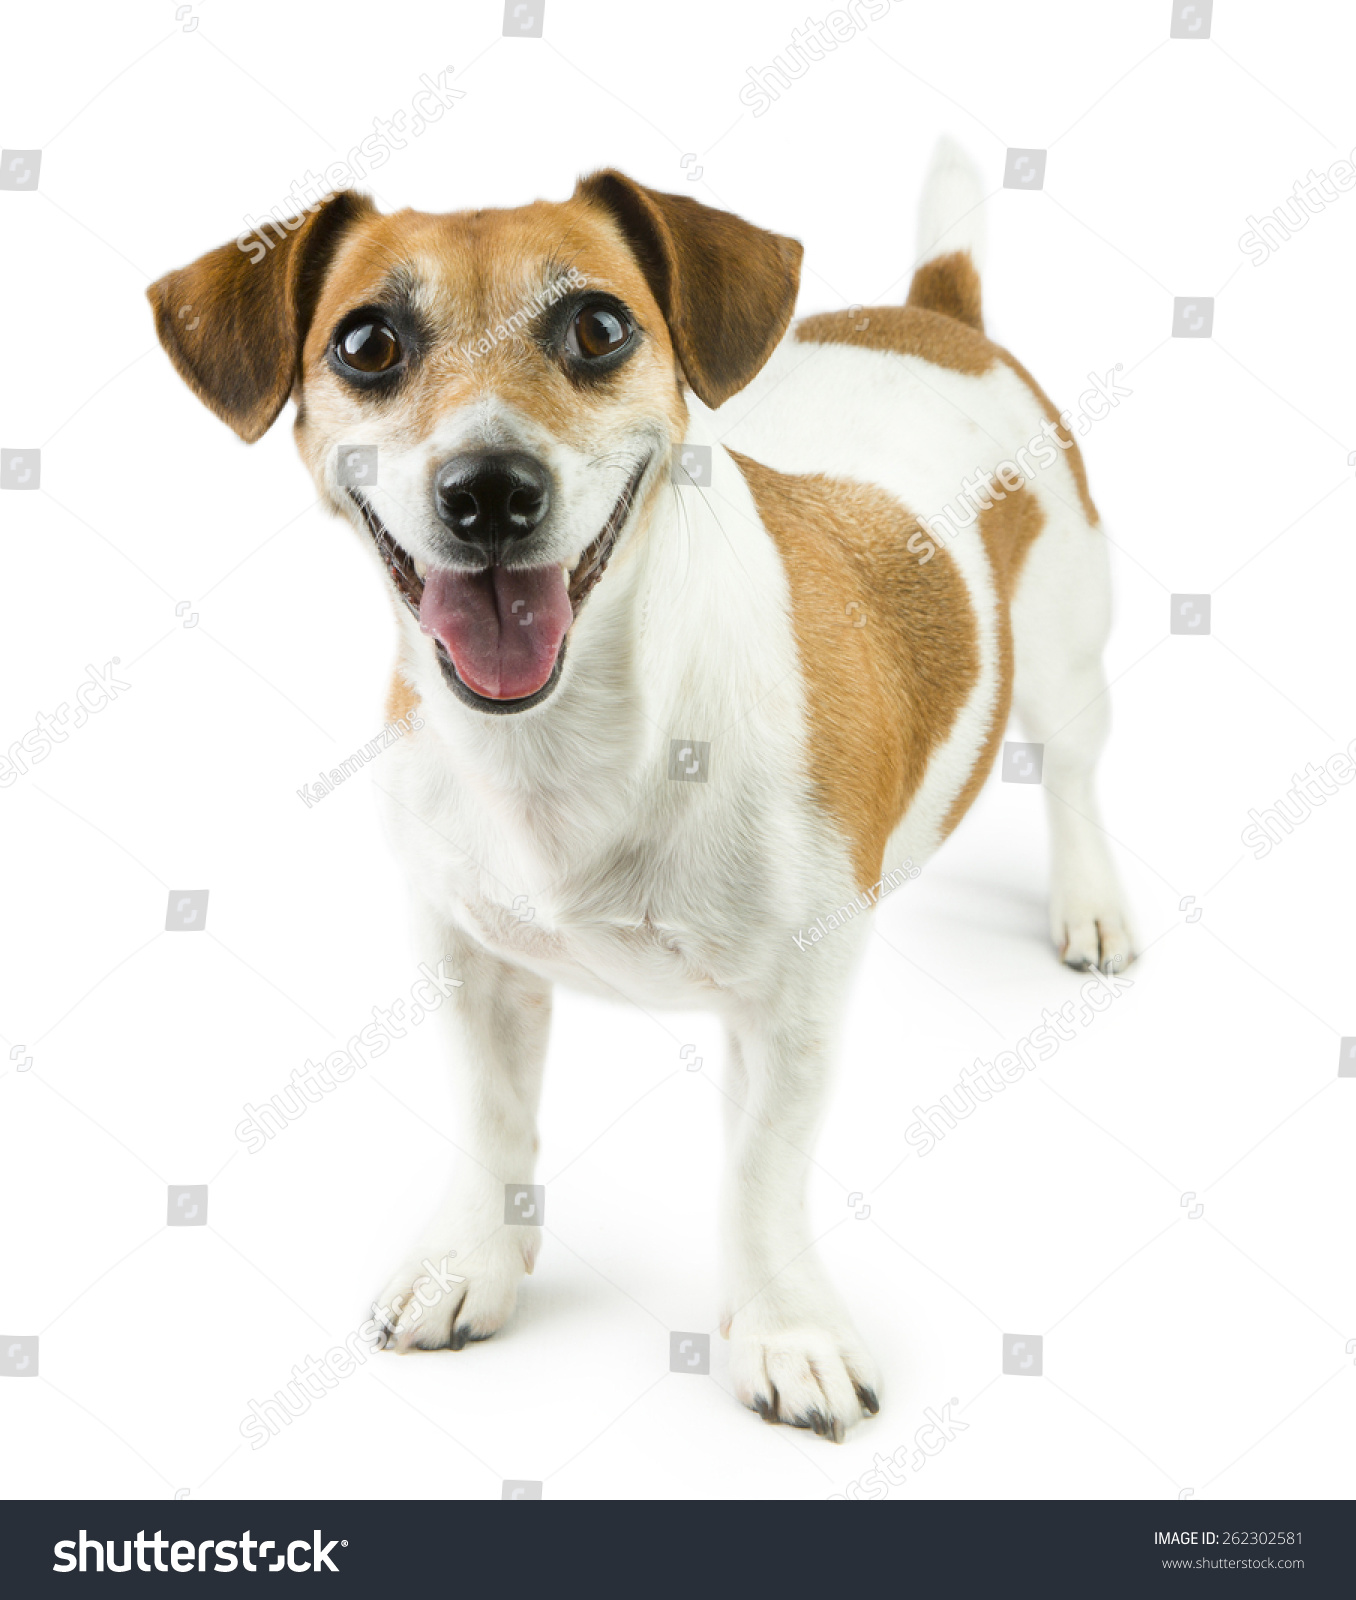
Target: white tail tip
{"points": [[951, 214]]}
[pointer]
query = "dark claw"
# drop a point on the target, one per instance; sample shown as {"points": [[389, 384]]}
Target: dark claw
{"points": [[766, 1409], [823, 1427], [868, 1399]]}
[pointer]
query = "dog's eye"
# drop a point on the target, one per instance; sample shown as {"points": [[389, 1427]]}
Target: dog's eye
{"points": [[370, 345], [598, 331]]}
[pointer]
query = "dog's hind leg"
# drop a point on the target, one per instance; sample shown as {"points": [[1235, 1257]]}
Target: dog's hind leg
{"points": [[1060, 620]]}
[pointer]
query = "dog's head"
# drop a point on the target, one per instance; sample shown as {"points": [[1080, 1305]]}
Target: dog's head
{"points": [[495, 394]]}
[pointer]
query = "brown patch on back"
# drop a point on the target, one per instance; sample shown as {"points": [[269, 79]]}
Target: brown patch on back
{"points": [[941, 323], [949, 284], [1008, 528], [882, 696], [908, 331], [401, 699]]}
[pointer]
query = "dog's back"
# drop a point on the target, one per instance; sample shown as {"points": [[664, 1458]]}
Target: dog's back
{"points": [[913, 475]]}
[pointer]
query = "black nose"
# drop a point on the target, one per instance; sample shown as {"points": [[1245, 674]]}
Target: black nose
{"points": [[491, 499]]}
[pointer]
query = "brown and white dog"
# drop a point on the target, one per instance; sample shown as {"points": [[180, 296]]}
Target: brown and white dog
{"points": [[580, 628]]}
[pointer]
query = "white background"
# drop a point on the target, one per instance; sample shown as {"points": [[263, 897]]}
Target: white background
{"points": [[1180, 1355]]}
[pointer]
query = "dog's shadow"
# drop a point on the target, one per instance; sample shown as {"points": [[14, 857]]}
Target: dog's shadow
{"points": [[976, 907]]}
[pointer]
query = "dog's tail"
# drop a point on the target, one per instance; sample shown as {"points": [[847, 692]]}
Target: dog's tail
{"points": [[950, 238]]}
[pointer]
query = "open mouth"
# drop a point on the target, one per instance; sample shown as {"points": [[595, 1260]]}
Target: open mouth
{"points": [[500, 632]]}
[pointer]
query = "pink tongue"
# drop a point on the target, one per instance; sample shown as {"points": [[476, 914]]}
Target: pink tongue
{"points": [[502, 629]]}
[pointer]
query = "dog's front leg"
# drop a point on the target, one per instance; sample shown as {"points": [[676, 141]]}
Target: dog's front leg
{"points": [[795, 1356], [461, 1282]]}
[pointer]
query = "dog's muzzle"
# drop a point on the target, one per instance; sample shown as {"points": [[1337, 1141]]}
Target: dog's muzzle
{"points": [[499, 630]]}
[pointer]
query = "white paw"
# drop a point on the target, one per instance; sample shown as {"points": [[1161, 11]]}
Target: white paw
{"points": [[442, 1300], [1091, 934], [809, 1377]]}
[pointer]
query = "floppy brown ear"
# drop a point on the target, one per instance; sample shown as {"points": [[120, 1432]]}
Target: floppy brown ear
{"points": [[234, 321], [726, 288]]}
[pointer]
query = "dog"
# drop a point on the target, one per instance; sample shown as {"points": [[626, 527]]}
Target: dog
{"points": [[695, 658]]}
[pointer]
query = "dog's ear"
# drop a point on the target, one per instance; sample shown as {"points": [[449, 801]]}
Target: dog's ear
{"points": [[726, 288], [233, 322]]}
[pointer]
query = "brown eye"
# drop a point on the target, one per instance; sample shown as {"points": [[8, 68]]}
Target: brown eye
{"points": [[598, 331], [368, 346]]}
